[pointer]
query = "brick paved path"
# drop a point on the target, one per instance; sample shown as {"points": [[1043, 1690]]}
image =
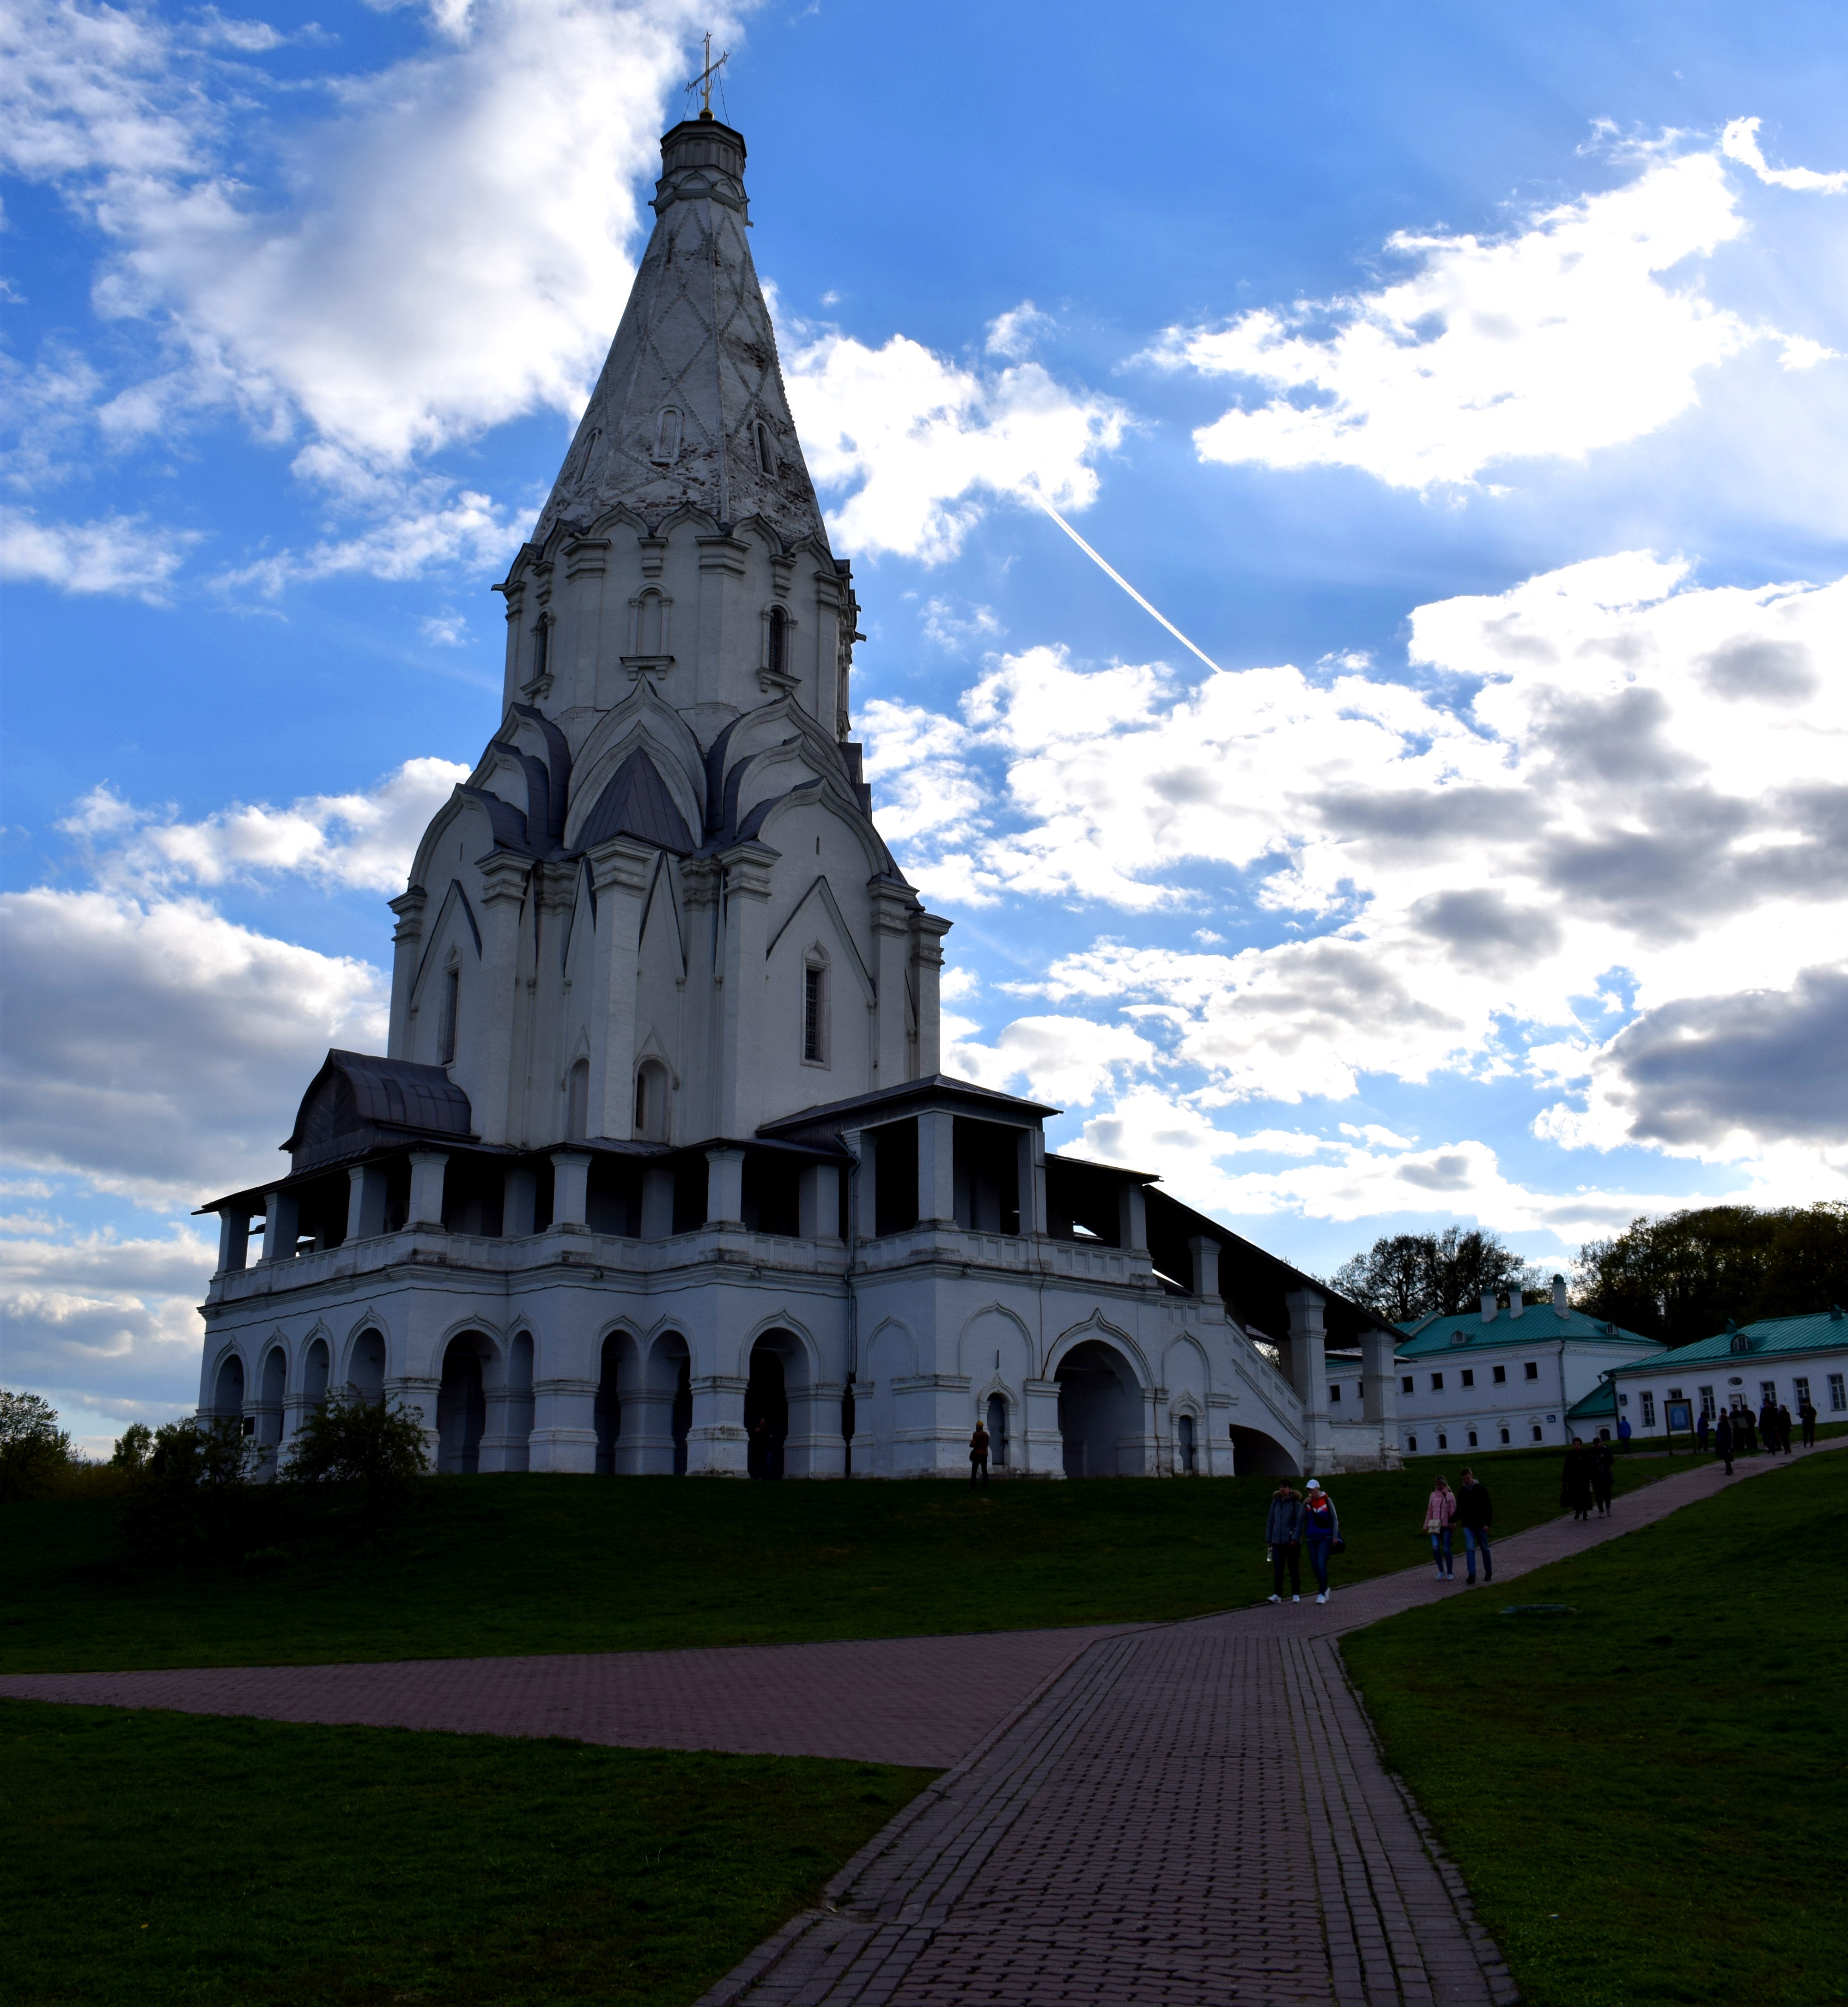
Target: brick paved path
{"points": [[1196, 1813], [927, 1700]]}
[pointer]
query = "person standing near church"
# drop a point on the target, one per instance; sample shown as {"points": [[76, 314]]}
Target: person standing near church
{"points": [[1575, 1480], [1283, 1536], [1783, 1427], [1603, 1477], [1321, 1533], [978, 1455], [1806, 1411], [1475, 1515], [1723, 1442], [1622, 1431], [1440, 1509], [1702, 1429]]}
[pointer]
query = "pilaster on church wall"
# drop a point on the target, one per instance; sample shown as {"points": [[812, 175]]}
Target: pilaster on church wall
{"points": [[550, 1024], [696, 1105], [515, 596], [825, 653], [582, 598]]}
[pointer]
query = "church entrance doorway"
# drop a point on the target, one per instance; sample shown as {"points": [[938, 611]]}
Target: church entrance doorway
{"points": [[228, 1395], [1254, 1452], [461, 1406], [1099, 1411], [766, 1408], [366, 1368]]}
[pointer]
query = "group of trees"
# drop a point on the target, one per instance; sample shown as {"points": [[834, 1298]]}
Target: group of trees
{"points": [[1674, 1280], [1680, 1278], [191, 1486], [1403, 1276]]}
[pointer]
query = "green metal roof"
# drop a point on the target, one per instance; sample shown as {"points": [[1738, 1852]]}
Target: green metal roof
{"points": [[1770, 1337], [1600, 1405], [1539, 1324]]}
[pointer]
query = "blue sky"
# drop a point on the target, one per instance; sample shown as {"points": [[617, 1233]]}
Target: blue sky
{"points": [[1465, 383]]}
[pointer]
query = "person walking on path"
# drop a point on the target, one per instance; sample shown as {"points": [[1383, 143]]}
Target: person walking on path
{"points": [[1603, 1477], [1440, 1509], [1321, 1533], [1768, 1425], [1723, 1442], [1783, 1427], [1806, 1410], [1575, 1481], [1475, 1515], [1623, 1431], [1283, 1536], [978, 1455]]}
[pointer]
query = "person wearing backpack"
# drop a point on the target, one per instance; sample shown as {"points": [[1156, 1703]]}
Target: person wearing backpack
{"points": [[1321, 1533], [1283, 1538], [1474, 1514], [1440, 1509]]}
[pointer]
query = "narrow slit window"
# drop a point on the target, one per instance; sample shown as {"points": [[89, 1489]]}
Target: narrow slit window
{"points": [[815, 1014], [667, 437], [542, 645], [779, 642], [641, 1104], [766, 457], [577, 1112], [446, 1020]]}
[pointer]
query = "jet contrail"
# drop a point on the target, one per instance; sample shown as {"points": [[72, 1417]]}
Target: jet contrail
{"points": [[1111, 569]]}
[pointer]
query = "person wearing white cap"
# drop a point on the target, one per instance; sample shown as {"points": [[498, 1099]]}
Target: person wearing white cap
{"points": [[1321, 1533]]}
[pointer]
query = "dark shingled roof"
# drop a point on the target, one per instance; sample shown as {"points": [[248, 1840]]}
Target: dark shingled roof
{"points": [[355, 1095], [637, 803]]}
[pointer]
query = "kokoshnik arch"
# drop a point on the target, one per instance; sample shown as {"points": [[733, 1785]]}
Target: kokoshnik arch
{"points": [[660, 1174]]}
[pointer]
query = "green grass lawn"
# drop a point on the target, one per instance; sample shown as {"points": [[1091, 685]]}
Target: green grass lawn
{"points": [[1649, 1797], [148, 1859], [488, 1565]]}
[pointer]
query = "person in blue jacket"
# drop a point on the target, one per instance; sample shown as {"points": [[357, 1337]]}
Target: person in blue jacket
{"points": [[1321, 1533]]}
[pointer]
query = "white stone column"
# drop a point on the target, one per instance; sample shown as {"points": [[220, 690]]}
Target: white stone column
{"points": [[504, 879], [1030, 1162], [565, 1426], [936, 1169], [745, 991], [234, 1238], [818, 1199], [1380, 1385], [620, 869], [893, 904], [1205, 1251], [814, 1447], [927, 973], [282, 1221], [724, 1188], [427, 1168], [367, 1189], [1133, 1222], [571, 1188], [417, 1392], [863, 1188], [1308, 1375], [519, 1202], [717, 1444], [657, 1202], [1042, 1445], [407, 948]]}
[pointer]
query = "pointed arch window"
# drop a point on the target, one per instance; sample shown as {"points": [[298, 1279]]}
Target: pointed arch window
{"points": [[815, 1008], [541, 649], [667, 437], [651, 1102]]}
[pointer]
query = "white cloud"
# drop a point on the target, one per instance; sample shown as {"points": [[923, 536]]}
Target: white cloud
{"points": [[365, 840], [914, 449], [118, 554], [158, 1050], [1740, 142], [1013, 334], [1611, 768], [1581, 329], [1061, 1059]]}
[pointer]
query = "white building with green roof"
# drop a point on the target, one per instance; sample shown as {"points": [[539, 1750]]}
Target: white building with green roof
{"points": [[1505, 1376], [1786, 1359]]}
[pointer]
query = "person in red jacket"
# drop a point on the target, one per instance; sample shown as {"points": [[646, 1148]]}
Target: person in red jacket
{"points": [[1321, 1533]]}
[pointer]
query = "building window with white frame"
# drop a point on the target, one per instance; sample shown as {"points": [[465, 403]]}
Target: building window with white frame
{"points": [[1768, 1391], [1648, 1411], [1799, 1393], [1707, 1407], [1838, 1394]]}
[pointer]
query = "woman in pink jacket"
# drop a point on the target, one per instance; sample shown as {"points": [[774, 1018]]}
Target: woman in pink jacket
{"points": [[1440, 1510]]}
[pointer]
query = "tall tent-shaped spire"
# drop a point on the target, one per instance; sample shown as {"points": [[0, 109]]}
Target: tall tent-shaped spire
{"points": [[690, 409]]}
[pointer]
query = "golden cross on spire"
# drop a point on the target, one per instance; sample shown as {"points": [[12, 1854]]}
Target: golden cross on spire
{"points": [[703, 83]]}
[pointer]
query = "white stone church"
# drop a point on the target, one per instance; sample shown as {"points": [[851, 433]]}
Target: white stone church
{"points": [[660, 1174]]}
